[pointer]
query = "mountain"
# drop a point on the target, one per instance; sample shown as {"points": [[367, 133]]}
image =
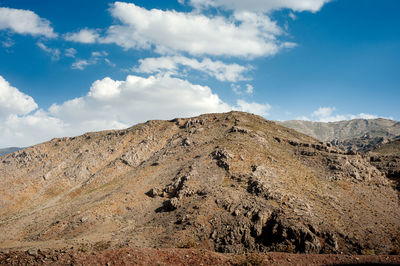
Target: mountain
{"points": [[357, 135], [386, 158], [8, 150], [230, 182]]}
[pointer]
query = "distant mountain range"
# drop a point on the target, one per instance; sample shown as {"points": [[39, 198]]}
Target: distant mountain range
{"points": [[358, 134], [9, 150]]}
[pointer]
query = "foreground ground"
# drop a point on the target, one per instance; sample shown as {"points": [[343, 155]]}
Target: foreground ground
{"points": [[147, 256]]}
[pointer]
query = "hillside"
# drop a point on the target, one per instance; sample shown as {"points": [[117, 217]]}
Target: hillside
{"points": [[386, 158], [357, 135], [230, 182], [347, 129]]}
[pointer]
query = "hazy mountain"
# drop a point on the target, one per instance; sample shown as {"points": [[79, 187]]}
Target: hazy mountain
{"points": [[357, 134], [8, 150], [347, 129], [230, 182]]}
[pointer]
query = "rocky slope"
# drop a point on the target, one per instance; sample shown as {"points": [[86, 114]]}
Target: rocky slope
{"points": [[226, 182], [359, 135], [386, 158]]}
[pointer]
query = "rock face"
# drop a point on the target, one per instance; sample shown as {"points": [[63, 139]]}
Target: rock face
{"points": [[230, 182], [386, 158]]}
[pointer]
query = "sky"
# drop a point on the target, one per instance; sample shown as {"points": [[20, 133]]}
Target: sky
{"points": [[70, 67]]}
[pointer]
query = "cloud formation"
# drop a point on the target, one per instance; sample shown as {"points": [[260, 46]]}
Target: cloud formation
{"points": [[83, 36], [109, 104], [95, 58], [136, 99], [12, 101], [252, 107], [246, 34], [260, 5], [25, 22], [327, 114], [173, 64], [54, 53]]}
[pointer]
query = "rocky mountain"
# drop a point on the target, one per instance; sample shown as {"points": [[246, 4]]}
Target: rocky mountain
{"points": [[230, 182], [357, 135], [386, 158], [8, 150]]}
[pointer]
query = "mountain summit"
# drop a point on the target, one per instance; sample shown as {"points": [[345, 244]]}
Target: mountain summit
{"points": [[230, 182]]}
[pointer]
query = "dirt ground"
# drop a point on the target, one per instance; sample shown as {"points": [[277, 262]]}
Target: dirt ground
{"points": [[147, 256]]}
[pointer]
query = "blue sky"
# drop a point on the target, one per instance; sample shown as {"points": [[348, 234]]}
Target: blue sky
{"points": [[67, 67]]}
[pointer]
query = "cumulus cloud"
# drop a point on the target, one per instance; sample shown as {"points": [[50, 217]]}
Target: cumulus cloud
{"points": [[109, 104], [137, 99], [26, 130], [18, 127], [54, 53], [83, 36], [172, 64], [261, 5], [252, 107], [327, 114], [13, 101], [246, 34], [25, 22]]}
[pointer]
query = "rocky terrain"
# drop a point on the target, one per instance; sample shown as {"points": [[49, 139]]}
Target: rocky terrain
{"points": [[230, 183], [359, 135], [386, 158], [173, 256]]}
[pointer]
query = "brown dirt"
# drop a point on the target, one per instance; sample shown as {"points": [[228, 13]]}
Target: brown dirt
{"points": [[147, 256]]}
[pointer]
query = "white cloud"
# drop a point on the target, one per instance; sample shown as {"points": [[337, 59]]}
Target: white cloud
{"points": [[137, 99], [83, 36], [365, 116], [80, 64], [12, 101], [261, 5], [246, 34], [249, 89], [25, 22], [253, 107], [8, 42], [95, 57], [53, 52], [70, 52], [327, 114], [237, 89], [26, 130], [323, 112], [109, 104], [172, 64]]}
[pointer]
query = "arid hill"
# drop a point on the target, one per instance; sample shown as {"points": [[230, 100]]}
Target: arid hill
{"points": [[230, 182], [359, 135], [386, 158]]}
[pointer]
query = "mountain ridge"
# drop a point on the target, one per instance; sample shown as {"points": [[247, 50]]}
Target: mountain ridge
{"points": [[359, 135]]}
